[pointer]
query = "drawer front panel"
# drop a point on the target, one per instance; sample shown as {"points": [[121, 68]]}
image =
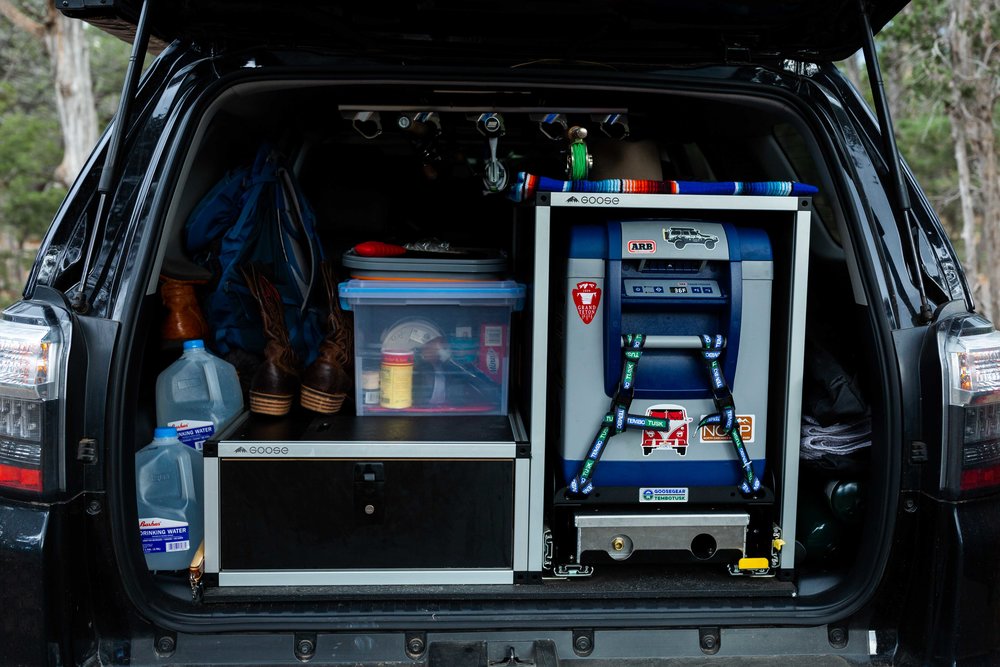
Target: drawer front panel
{"points": [[320, 514]]}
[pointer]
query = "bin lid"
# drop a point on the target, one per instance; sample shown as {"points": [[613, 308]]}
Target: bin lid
{"points": [[401, 292], [472, 261]]}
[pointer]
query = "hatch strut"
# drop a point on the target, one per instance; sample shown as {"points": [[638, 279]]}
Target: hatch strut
{"points": [[891, 156], [109, 173]]}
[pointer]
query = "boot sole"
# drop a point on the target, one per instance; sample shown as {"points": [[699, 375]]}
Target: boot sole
{"points": [[270, 404], [321, 402]]}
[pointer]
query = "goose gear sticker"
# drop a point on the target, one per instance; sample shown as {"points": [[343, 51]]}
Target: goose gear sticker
{"points": [[676, 435], [587, 296]]}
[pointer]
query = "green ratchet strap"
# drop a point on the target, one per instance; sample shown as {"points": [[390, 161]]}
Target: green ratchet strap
{"points": [[711, 352], [617, 420]]}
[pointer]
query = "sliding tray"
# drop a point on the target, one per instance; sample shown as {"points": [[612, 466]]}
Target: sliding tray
{"points": [[349, 500]]}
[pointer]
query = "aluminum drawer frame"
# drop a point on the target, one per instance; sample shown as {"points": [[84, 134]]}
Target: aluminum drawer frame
{"points": [[360, 451], [794, 212]]}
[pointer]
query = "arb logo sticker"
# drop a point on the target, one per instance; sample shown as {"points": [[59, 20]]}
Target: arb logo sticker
{"points": [[676, 435], [643, 247], [713, 432], [587, 296]]}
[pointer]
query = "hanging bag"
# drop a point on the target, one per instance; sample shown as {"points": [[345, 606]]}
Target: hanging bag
{"points": [[258, 215]]}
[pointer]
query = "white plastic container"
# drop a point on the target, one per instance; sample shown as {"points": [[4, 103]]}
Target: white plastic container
{"points": [[198, 395], [169, 478], [433, 348]]}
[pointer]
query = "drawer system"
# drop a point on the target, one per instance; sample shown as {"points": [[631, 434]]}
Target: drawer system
{"points": [[603, 458]]}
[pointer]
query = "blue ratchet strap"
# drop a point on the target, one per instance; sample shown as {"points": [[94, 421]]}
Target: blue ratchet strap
{"points": [[617, 419], [725, 418]]}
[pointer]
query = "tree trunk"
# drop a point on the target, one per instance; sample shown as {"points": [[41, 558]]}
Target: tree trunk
{"points": [[66, 46], [969, 237], [852, 68], [973, 61]]}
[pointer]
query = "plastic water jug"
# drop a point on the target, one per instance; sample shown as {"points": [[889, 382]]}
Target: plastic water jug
{"points": [[169, 478], [198, 395]]}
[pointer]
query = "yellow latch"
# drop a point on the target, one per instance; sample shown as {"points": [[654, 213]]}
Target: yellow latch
{"points": [[777, 543], [754, 563]]}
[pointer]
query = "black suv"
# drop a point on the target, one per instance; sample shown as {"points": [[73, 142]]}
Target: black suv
{"points": [[700, 92]]}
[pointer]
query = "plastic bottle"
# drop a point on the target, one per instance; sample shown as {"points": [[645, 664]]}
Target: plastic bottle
{"points": [[169, 478], [198, 395]]}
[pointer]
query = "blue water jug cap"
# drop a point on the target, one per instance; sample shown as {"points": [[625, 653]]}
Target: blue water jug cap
{"points": [[164, 432], [194, 344]]}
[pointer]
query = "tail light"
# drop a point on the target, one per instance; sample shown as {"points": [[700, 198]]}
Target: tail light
{"points": [[971, 354], [34, 341]]}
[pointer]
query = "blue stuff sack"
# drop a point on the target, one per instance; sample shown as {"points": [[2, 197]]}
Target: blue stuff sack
{"points": [[258, 215]]}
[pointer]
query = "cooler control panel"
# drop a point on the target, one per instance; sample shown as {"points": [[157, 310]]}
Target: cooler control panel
{"points": [[692, 289]]}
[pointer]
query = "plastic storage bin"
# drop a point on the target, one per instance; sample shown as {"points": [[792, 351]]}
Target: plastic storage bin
{"points": [[431, 349]]}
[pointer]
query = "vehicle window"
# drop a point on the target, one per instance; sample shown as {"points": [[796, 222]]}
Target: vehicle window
{"points": [[794, 147]]}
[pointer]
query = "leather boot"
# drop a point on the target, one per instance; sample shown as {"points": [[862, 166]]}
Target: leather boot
{"points": [[273, 386], [327, 381], [184, 320]]}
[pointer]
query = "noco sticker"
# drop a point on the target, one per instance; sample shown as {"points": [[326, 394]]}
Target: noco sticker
{"points": [[652, 494], [586, 297], [642, 247], [713, 432]]}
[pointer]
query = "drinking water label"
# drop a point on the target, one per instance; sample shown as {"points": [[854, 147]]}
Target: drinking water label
{"points": [[163, 535], [193, 433]]}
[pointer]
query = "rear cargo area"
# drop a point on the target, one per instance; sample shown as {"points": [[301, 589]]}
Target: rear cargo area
{"points": [[466, 453]]}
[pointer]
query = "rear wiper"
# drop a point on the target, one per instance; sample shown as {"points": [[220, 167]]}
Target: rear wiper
{"points": [[890, 153], [109, 173]]}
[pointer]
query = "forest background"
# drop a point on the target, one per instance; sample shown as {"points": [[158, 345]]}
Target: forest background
{"points": [[60, 80]]}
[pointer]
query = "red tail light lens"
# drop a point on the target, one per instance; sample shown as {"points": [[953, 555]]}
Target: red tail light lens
{"points": [[32, 380], [971, 355]]}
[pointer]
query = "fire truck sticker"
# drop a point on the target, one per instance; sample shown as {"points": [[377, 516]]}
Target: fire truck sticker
{"points": [[642, 247], [587, 296], [676, 435], [713, 432]]}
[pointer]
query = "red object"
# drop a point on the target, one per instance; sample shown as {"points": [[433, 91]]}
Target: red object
{"points": [[587, 297], [675, 436], [398, 358], [980, 478], [20, 478], [379, 249]]}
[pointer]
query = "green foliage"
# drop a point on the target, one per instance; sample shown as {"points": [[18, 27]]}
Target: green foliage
{"points": [[925, 140], [28, 156], [108, 59]]}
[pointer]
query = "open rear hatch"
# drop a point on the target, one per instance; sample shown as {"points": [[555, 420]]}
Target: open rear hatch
{"points": [[652, 32]]}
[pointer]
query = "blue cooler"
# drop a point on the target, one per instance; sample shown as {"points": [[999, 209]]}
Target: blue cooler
{"points": [[673, 281]]}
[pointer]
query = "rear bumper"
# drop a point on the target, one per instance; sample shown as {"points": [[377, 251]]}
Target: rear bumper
{"points": [[24, 622], [960, 605]]}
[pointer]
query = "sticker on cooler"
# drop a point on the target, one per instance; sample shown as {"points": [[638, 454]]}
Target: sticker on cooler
{"points": [[652, 494], [193, 433], [587, 297], [491, 350], [713, 432], [675, 437], [642, 247], [163, 535]]}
